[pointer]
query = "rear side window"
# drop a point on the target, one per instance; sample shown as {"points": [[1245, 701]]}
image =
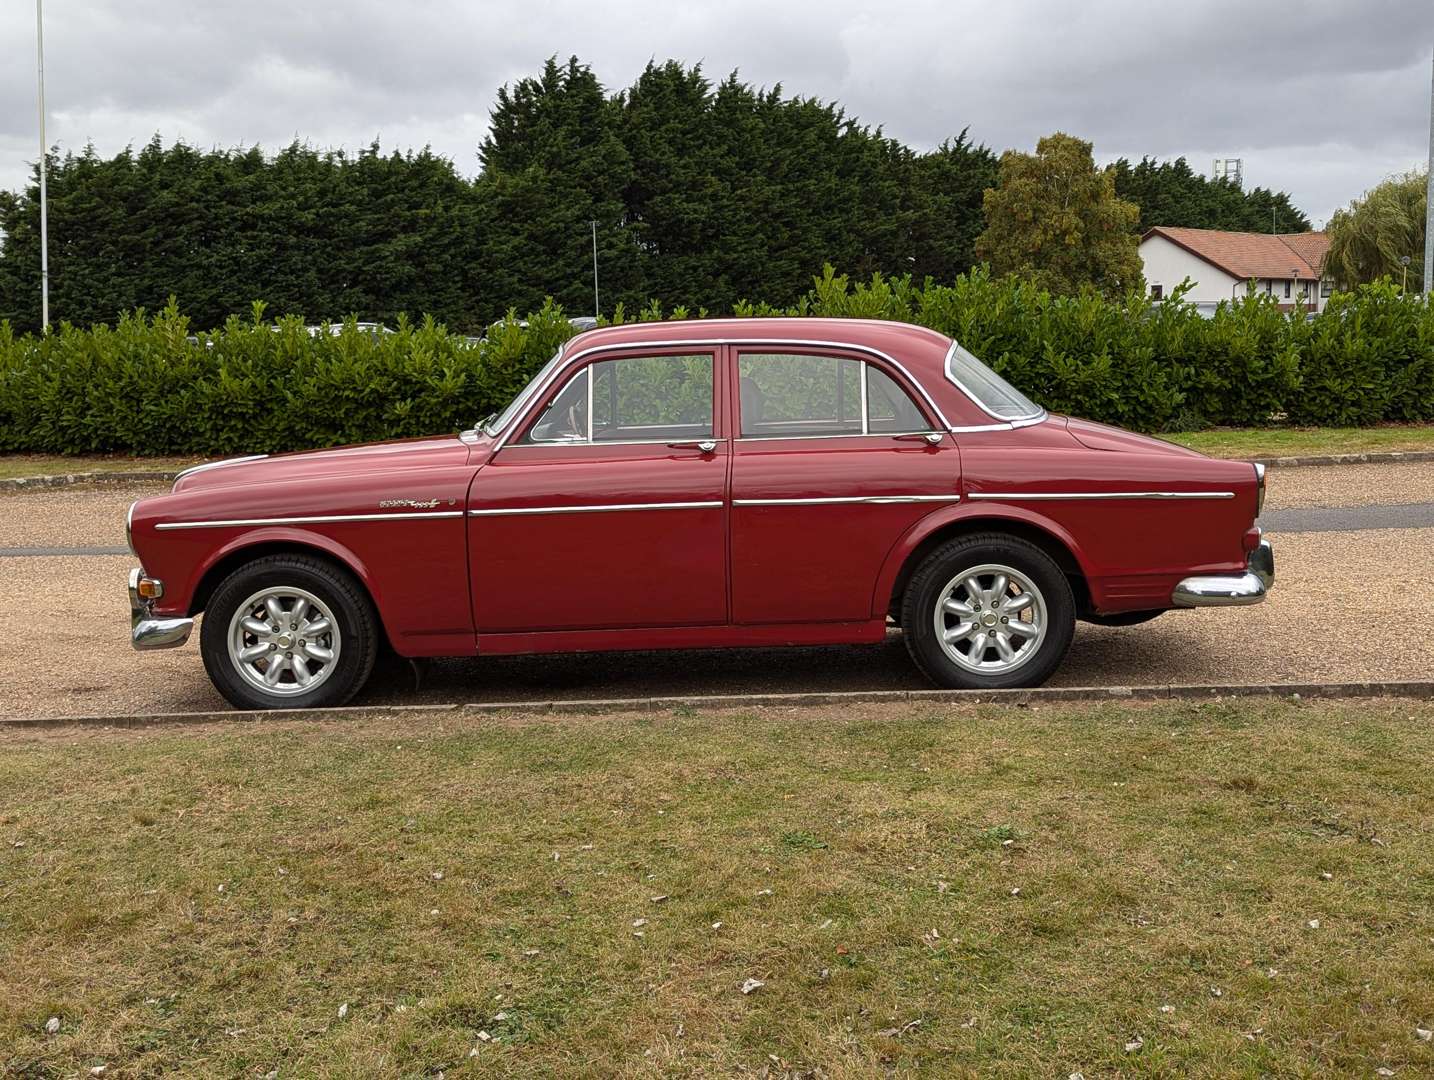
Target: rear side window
{"points": [[795, 395]]}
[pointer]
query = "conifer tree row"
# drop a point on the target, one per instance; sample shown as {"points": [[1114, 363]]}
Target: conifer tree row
{"points": [[704, 194]]}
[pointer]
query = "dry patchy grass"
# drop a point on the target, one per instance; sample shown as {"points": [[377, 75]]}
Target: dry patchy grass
{"points": [[203, 901], [1296, 441]]}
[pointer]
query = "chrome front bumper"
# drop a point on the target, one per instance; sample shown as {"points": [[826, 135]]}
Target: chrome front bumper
{"points": [[148, 632], [1224, 590]]}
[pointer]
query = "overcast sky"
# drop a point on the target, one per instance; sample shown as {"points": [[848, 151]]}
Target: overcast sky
{"points": [[1322, 98]]}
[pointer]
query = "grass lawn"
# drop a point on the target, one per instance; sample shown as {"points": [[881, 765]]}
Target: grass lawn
{"points": [[13, 465], [1295, 442], [1155, 890]]}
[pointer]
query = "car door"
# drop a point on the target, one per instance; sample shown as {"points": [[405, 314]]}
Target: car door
{"points": [[607, 509], [833, 462]]}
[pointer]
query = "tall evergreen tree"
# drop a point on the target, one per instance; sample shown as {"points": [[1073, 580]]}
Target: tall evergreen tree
{"points": [[1171, 193], [553, 163]]}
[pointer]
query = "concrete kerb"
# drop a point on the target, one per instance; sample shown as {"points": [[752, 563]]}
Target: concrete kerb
{"points": [[1419, 690]]}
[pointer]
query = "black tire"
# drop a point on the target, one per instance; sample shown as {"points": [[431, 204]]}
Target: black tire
{"points": [[1124, 618], [940, 568], [335, 587]]}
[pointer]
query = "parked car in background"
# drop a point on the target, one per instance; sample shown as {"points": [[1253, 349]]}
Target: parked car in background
{"points": [[700, 484]]}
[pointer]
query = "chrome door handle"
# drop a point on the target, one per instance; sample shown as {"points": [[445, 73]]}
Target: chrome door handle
{"points": [[933, 438], [707, 446]]}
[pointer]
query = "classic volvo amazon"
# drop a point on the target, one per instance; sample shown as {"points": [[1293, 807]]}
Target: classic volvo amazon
{"points": [[698, 484]]}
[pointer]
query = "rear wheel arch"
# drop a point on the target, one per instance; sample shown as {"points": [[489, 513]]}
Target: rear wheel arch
{"points": [[1049, 538]]}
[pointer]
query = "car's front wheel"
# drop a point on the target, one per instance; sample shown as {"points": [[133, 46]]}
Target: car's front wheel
{"points": [[288, 632], [988, 612]]}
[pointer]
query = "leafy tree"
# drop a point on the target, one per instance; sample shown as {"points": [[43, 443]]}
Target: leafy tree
{"points": [[1367, 239], [1056, 219]]}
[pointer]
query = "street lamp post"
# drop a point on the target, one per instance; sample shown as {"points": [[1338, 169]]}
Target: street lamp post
{"points": [[597, 307], [44, 200]]}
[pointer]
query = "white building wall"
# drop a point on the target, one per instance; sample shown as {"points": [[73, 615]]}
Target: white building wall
{"points": [[1167, 265]]}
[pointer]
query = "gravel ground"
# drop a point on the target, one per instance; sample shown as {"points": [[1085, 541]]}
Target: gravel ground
{"points": [[1350, 485], [1308, 631], [68, 517]]}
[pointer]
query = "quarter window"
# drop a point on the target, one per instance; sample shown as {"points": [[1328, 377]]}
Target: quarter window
{"points": [[634, 399], [788, 395]]}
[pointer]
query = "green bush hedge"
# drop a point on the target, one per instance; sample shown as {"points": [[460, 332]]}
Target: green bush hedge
{"points": [[146, 385]]}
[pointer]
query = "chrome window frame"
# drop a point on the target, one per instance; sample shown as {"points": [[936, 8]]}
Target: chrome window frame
{"points": [[506, 434]]}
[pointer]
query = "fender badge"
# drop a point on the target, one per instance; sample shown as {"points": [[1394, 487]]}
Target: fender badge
{"points": [[411, 504]]}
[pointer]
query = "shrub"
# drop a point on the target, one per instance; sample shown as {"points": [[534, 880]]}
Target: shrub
{"points": [[147, 385]]}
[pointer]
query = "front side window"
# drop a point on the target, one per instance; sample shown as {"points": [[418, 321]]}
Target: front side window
{"points": [[994, 394], [794, 395], [633, 399]]}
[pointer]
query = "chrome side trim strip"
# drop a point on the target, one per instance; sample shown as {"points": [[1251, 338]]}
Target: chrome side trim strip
{"points": [[1028, 496], [875, 500], [323, 519], [217, 465], [592, 508]]}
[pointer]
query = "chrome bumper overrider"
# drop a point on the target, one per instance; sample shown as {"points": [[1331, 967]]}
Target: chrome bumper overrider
{"points": [[148, 632], [1223, 590]]}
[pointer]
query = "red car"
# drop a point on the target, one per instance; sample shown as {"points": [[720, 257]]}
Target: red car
{"points": [[700, 484]]}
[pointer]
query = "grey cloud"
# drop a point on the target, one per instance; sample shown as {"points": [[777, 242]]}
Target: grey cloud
{"points": [[1322, 100]]}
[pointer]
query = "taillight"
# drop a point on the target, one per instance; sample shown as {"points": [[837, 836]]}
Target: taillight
{"points": [[1260, 488]]}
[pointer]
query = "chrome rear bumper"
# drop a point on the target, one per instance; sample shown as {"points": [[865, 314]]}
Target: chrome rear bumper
{"points": [[148, 632], [1224, 590]]}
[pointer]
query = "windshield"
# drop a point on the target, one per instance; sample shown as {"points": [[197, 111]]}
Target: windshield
{"points": [[987, 389], [502, 420]]}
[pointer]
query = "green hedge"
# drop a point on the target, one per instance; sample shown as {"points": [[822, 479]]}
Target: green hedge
{"points": [[146, 385]]}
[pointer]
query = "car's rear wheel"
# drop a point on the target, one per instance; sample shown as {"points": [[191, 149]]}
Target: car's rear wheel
{"points": [[988, 612], [288, 632]]}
